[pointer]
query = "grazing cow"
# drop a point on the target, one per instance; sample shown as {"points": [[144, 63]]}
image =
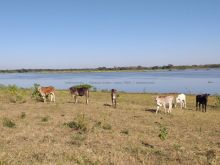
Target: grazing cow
{"points": [[163, 101], [113, 97], [79, 92], [202, 99], [181, 99], [45, 91]]}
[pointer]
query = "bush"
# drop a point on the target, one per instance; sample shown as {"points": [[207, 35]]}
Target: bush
{"points": [[36, 94], [78, 124], [23, 115], [8, 123], [15, 94], [45, 119], [163, 133], [83, 86], [217, 98], [107, 126]]}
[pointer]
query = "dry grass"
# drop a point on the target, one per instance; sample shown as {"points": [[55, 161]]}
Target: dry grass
{"points": [[104, 135]]}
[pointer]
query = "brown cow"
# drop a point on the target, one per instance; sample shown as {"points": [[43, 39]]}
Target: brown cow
{"points": [[79, 92], [113, 97], [45, 91]]}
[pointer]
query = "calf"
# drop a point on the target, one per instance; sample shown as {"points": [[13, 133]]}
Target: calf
{"points": [[181, 99], [202, 99], [79, 92], [113, 97], [45, 91], [163, 101]]}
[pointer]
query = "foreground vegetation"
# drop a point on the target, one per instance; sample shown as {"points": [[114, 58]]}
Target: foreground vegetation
{"points": [[115, 69], [34, 132]]}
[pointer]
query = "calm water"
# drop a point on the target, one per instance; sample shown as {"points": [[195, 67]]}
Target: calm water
{"points": [[187, 81]]}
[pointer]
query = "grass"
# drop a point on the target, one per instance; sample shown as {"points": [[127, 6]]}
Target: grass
{"points": [[128, 134]]}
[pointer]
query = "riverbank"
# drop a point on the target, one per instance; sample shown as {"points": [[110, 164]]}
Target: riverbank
{"points": [[67, 133], [115, 69]]}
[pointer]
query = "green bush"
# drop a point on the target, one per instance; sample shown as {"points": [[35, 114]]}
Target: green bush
{"points": [[217, 98], [45, 119], [107, 126], [15, 94], [23, 115], [163, 133], [83, 86], [35, 93], [78, 124], [8, 123]]}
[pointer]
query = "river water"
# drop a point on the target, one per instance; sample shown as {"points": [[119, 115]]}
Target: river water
{"points": [[181, 81]]}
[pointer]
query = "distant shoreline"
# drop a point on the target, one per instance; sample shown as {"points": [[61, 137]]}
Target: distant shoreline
{"points": [[116, 69]]}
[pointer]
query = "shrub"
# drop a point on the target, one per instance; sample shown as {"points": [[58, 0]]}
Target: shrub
{"points": [[107, 126], [83, 86], [217, 98], [36, 94], [163, 133], [23, 115], [125, 131], [8, 123], [45, 119], [15, 94], [78, 124]]}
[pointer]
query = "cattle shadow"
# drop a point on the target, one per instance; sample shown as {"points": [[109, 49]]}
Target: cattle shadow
{"points": [[150, 110]]}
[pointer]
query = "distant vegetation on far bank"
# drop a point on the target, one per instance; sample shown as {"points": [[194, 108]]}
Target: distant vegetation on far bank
{"points": [[128, 68]]}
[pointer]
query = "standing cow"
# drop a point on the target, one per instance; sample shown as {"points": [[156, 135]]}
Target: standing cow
{"points": [[45, 91], [181, 99], [113, 97], [79, 92], [202, 100], [164, 101]]}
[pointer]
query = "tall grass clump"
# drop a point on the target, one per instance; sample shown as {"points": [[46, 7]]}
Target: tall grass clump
{"points": [[8, 123], [217, 99], [35, 93], [78, 124], [16, 94], [163, 133]]}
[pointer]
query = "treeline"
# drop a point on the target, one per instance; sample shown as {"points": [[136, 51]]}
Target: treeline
{"points": [[129, 68]]}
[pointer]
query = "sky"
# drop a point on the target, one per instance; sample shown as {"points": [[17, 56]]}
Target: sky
{"points": [[95, 33]]}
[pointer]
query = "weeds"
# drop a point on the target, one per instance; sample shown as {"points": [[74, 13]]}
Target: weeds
{"points": [[8, 123], [45, 119], [78, 124], [78, 139], [107, 126], [36, 94], [15, 94], [163, 133], [217, 99], [125, 131], [23, 115]]}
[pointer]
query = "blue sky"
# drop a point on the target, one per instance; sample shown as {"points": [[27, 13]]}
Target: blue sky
{"points": [[93, 33]]}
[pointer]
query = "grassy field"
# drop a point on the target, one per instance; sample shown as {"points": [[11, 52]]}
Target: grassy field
{"points": [[67, 133]]}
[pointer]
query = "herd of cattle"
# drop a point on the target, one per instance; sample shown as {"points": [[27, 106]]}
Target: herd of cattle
{"points": [[161, 101]]}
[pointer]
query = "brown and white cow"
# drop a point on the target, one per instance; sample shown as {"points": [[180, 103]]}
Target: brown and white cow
{"points": [[164, 101], [113, 97], [45, 91], [79, 92]]}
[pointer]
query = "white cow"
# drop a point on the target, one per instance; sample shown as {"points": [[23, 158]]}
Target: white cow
{"points": [[181, 99], [163, 101]]}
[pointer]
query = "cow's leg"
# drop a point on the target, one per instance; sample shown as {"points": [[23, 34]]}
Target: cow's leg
{"points": [[185, 103], [170, 107], [181, 104], [87, 100], [75, 98], [54, 100], [158, 107], [164, 106]]}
